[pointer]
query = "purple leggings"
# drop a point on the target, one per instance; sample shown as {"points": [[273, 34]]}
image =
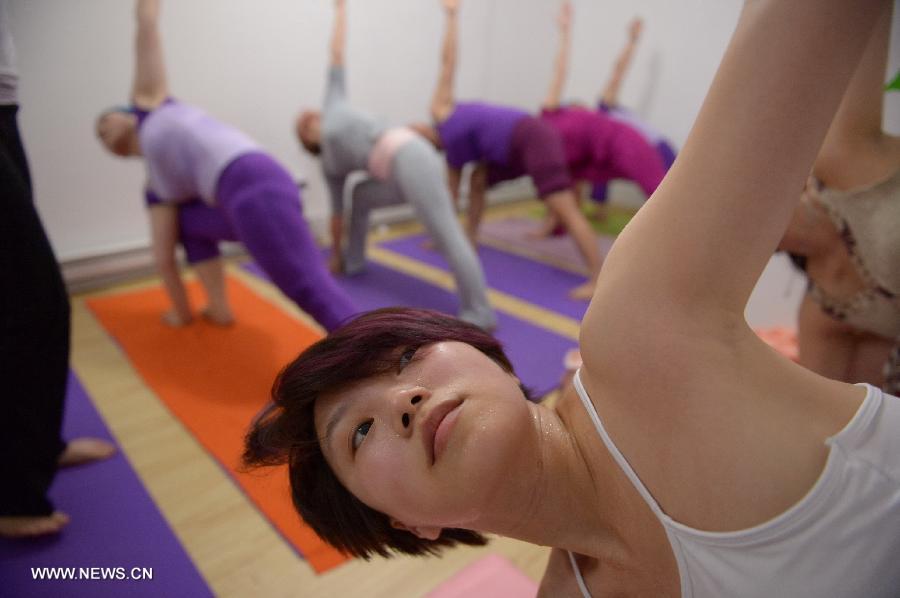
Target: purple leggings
{"points": [[258, 204]]}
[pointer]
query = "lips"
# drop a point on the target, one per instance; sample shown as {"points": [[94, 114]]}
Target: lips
{"points": [[432, 425]]}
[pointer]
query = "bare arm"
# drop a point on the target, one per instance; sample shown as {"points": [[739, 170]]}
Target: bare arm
{"points": [[454, 176], [610, 94], [477, 201], [339, 33], [725, 204], [442, 101], [150, 86], [164, 237], [558, 83]]}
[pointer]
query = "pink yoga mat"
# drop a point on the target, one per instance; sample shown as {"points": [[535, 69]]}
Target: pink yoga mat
{"points": [[490, 577]]}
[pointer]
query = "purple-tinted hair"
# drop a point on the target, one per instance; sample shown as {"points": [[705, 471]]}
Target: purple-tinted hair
{"points": [[285, 431]]}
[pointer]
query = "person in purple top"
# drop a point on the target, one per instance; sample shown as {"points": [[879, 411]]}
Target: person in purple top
{"points": [[607, 144], [208, 182], [505, 143]]}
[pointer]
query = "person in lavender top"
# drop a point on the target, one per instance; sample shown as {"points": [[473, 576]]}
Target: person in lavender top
{"points": [[402, 167], [208, 182], [504, 143]]}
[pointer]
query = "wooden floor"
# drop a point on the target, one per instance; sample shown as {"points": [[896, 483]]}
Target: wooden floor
{"points": [[234, 548]]}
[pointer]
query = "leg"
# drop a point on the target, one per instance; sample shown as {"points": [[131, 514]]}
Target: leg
{"points": [[418, 173], [263, 206], [367, 196], [34, 351], [201, 227]]}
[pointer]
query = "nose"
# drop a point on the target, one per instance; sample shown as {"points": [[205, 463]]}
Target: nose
{"points": [[406, 403]]}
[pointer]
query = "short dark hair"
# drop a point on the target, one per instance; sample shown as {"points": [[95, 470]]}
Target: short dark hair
{"points": [[285, 432]]}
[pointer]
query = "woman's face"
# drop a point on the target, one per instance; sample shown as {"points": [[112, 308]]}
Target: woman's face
{"points": [[429, 444], [117, 131]]}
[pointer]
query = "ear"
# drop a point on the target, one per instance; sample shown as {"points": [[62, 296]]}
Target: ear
{"points": [[424, 532]]}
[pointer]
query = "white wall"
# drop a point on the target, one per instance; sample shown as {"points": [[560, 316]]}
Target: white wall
{"points": [[254, 64]]}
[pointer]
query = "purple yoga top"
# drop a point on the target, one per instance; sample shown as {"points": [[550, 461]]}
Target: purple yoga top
{"points": [[186, 150], [479, 132]]}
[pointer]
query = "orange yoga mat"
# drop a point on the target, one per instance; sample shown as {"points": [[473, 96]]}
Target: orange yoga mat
{"points": [[215, 380]]}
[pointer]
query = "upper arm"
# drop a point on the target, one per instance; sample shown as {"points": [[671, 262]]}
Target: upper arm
{"points": [[697, 247], [150, 86]]}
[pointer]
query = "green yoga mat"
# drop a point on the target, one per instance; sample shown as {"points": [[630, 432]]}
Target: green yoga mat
{"points": [[616, 217]]}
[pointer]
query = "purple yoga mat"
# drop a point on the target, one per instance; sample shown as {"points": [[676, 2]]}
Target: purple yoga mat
{"points": [[521, 277], [535, 352], [114, 524]]}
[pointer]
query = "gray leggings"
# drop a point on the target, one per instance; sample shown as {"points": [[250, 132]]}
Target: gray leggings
{"points": [[417, 177]]}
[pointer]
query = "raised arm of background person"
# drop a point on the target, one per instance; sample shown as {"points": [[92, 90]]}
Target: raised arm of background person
{"points": [[150, 86], [558, 83], [339, 33], [686, 264], [164, 238], [855, 143], [442, 101], [610, 94]]}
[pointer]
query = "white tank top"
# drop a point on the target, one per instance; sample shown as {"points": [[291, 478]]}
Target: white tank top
{"points": [[841, 540]]}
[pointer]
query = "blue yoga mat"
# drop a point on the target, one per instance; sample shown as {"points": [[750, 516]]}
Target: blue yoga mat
{"points": [[535, 353], [114, 524]]}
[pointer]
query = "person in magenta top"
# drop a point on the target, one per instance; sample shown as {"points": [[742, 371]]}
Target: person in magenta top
{"points": [[603, 145], [504, 143], [208, 182]]}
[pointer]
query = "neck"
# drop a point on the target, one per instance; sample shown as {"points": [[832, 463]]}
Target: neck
{"points": [[566, 499]]}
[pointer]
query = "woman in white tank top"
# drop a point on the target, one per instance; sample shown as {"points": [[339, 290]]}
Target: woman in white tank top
{"points": [[698, 461]]}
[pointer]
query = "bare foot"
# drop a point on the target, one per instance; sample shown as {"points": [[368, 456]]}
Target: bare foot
{"points": [[30, 527], [550, 227], [85, 450], [585, 291], [171, 318], [219, 316]]}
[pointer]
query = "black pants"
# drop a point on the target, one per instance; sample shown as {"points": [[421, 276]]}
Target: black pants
{"points": [[34, 338]]}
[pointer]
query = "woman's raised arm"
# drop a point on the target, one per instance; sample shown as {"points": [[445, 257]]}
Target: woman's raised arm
{"points": [[339, 33], [694, 252], [150, 86], [610, 93], [442, 101], [558, 83]]}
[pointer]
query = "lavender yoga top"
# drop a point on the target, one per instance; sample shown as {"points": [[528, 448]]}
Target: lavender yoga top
{"points": [[479, 132], [186, 150]]}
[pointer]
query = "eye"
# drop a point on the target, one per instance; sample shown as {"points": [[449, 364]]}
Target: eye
{"points": [[407, 357], [359, 434]]}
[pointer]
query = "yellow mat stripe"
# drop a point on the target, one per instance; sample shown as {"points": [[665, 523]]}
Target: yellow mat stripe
{"points": [[534, 314]]}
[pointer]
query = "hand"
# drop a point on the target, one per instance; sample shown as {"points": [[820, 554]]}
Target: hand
{"points": [[450, 6], [635, 28], [173, 319], [565, 15]]}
